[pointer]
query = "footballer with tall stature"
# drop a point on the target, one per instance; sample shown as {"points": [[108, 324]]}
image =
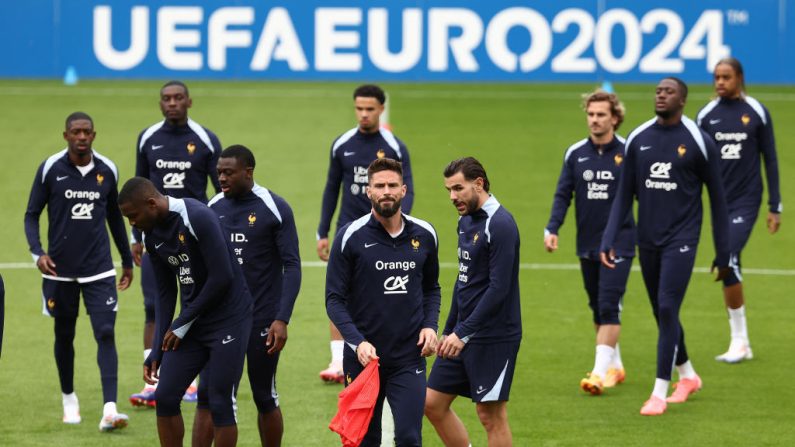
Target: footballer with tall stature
{"points": [[668, 161], [351, 154]]}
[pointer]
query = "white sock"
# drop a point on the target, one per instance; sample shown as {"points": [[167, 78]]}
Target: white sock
{"points": [[336, 350], [604, 354], [69, 399], [686, 370], [146, 353], [661, 388], [109, 409], [617, 363], [737, 324]]}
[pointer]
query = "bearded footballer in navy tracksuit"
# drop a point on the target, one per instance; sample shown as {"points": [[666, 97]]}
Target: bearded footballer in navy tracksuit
{"points": [[591, 169], [79, 188], [187, 245], [668, 160], [743, 131], [261, 228], [382, 292], [351, 154], [480, 341], [178, 155]]}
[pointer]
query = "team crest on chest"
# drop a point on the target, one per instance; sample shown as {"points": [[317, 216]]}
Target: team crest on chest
{"points": [[681, 150], [475, 238], [100, 179], [251, 219], [380, 153], [415, 244], [181, 238], [618, 159], [745, 119], [191, 148]]}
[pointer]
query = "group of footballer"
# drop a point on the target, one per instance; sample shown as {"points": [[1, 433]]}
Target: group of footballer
{"points": [[663, 164], [382, 291]]}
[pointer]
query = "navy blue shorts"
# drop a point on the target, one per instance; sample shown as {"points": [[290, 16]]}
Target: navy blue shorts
{"points": [[482, 372], [220, 354], [605, 288], [148, 287], [404, 388], [261, 373], [741, 224], [61, 299]]}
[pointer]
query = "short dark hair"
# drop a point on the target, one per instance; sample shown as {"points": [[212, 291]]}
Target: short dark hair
{"points": [[370, 91], [682, 85], [735, 64], [470, 167], [135, 189], [240, 153], [175, 82], [74, 116], [384, 164]]}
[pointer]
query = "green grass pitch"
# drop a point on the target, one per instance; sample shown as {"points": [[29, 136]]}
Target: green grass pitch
{"points": [[520, 133]]}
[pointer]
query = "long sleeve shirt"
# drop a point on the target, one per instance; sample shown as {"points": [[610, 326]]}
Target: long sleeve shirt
{"points": [[261, 228]]}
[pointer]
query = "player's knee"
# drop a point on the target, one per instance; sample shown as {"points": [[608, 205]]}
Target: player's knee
{"points": [[433, 410], [222, 408], [731, 279], [168, 403], [492, 416], [149, 314], [105, 332], [266, 405], [609, 314], [408, 437]]}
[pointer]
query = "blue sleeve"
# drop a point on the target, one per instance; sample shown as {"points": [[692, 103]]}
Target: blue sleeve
{"points": [[36, 203], [212, 163], [504, 238], [338, 277], [165, 303], [408, 180], [220, 273], [452, 317], [116, 225], [287, 245], [141, 170], [622, 204], [431, 291], [711, 175], [767, 145], [562, 199], [330, 195]]}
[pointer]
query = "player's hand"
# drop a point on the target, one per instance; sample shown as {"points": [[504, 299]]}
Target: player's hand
{"points": [[428, 341], [277, 336], [151, 373], [773, 222], [451, 346], [608, 259], [722, 273], [46, 266], [551, 242], [126, 278], [365, 352], [137, 250], [322, 249], [170, 341]]}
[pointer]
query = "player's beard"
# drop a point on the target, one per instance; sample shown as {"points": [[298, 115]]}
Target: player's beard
{"points": [[472, 204], [386, 211]]}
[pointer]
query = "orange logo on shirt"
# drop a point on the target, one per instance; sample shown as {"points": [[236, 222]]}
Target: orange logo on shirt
{"points": [[745, 119], [100, 179], [618, 159], [681, 150], [380, 153], [50, 303], [191, 148], [415, 243], [251, 219], [181, 238]]}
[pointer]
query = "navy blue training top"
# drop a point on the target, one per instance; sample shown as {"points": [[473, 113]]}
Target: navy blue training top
{"points": [[77, 208], [261, 228], [591, 173], [743, 132], [665, 169], [351, 154], [384, 289], [486, 303]]}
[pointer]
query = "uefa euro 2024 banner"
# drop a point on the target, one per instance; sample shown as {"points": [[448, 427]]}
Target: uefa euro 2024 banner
{"points": [[563, 40]]}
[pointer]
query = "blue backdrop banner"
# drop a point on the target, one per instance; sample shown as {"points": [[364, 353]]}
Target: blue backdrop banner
{"points": [[436, 40]]}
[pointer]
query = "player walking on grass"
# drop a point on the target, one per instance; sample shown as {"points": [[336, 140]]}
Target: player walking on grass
{"points": [[178, 155], [591, 169], [382, 292], [480, 341], [351, 154], [668, 159], [261, 228], [187, 245], [79, 188], [743, 131]]}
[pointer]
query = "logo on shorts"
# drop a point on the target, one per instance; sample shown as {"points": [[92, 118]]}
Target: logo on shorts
{"points": [[228, 339], [395, 285], [50, 303], [419, 371], [738, 220], [264, 333], [480, 389], [110, 300], [684, 249]]}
